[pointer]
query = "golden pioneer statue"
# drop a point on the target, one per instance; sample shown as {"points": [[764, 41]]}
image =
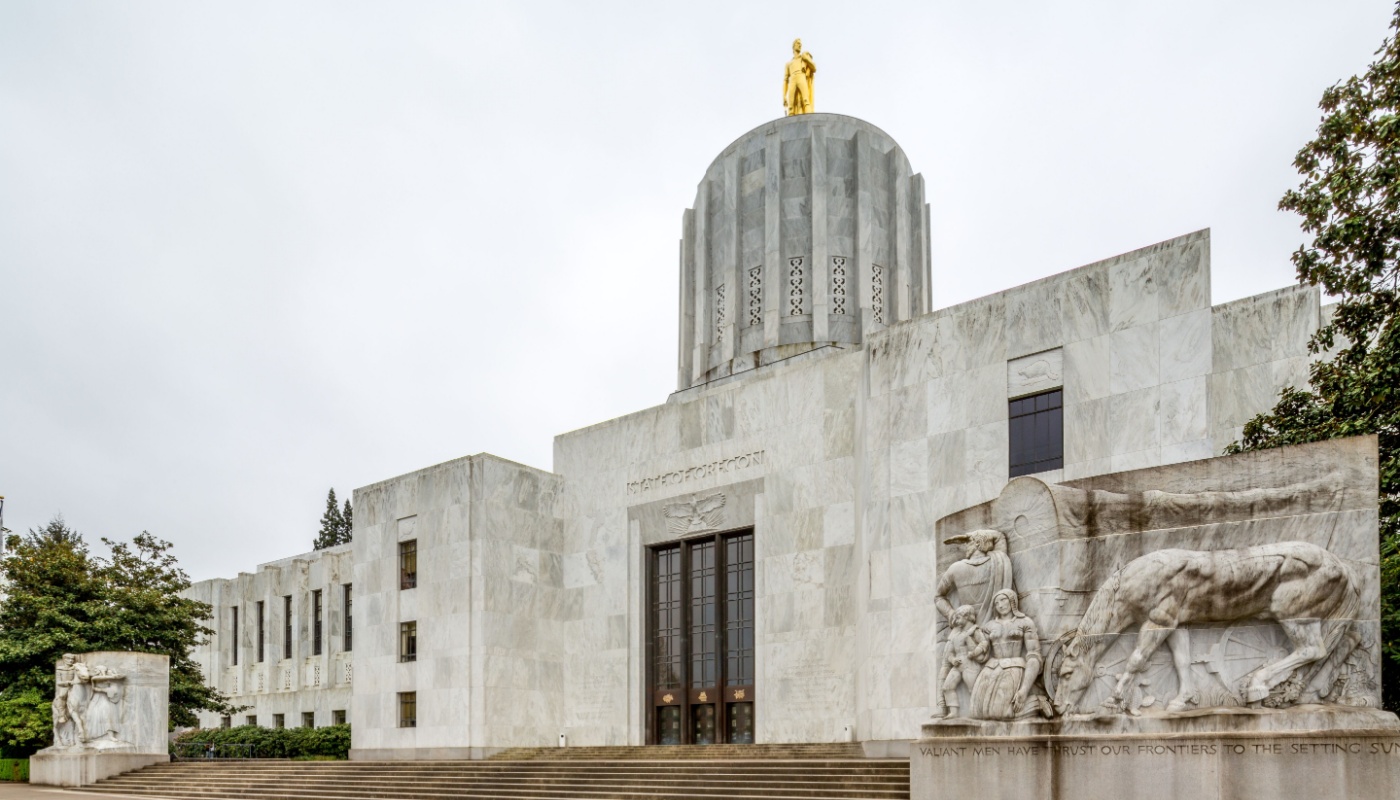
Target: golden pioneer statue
{"points": [[799, 77]]}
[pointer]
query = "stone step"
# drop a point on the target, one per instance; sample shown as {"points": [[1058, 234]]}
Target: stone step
{"points": [[531, 779]]}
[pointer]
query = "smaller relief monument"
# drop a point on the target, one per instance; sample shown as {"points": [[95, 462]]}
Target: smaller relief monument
{"points": [[110, 715], [1206, 630]]}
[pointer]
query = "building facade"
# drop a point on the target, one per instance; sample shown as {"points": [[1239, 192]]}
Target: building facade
{"points": [[754, 559]]}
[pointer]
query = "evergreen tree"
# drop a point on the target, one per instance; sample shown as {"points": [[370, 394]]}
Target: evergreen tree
{"points": [[332, 524], [347, 520], [1349, 200], [60, 599]]}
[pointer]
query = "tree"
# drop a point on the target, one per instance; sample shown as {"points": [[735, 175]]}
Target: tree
{"points": [[1349, 201], [61, 599], [335, 524]]}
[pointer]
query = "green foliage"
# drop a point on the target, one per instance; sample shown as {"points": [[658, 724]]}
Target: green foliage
{"points": [[335, 524], [60, 599], [1349, 200], [14, 769], [331, 742]]}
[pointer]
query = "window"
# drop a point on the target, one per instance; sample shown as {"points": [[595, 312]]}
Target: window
{"points": [[235, 635], [226, 722], [287, 626], [1037, 433], [701, 641], [262, 633], [349, 620], [408, 641], [408, 709], [338, 717], [279, 720], [308, 719], [408, 564], [316, 622], [251, 719]]}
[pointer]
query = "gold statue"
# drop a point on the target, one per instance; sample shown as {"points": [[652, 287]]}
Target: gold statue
{"points": [[798, 80]]}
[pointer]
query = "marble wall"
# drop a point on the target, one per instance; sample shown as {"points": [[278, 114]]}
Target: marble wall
{"points": [[279, 682], [531, 594]]}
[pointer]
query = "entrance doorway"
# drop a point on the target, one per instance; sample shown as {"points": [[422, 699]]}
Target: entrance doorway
{"points": [[701, 641]]}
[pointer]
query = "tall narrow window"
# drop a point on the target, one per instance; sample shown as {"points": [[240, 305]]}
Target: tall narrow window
{"points": [[701, 640], [1037, 433], [316, 622], [738, 601], [349, 619], [308, 719], [234, 637], [408, 709], [262, 632], [287, 626], [408, 641], [408, 564], [279, 720]]}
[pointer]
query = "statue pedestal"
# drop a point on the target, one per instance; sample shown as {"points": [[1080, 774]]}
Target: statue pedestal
{"points": [[1205, 756], [122, 701], [57, 767]]}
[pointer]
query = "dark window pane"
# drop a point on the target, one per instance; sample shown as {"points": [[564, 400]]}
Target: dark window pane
{"points": [[1036, 433]]}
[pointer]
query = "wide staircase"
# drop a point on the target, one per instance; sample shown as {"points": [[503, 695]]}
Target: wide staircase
{"points": [[770, 772]]}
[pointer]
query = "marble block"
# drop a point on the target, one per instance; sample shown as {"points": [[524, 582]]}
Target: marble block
{"points": [[111, 715], [1200, 766]]}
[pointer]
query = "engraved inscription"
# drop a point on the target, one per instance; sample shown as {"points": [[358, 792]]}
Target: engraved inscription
{"points": [[733, 464]]}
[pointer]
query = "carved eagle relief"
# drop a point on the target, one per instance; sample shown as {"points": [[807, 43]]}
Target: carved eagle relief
{"points": [[701, 514]]}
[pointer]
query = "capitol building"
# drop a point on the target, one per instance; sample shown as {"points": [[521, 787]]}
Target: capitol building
{"points": [[753, 558]]}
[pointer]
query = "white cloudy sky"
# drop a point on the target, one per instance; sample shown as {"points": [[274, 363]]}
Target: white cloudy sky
{"points": [[253, 250]]}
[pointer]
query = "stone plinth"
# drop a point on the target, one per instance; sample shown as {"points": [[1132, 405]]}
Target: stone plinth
{"points": [[110, 716], [1240, 765]]}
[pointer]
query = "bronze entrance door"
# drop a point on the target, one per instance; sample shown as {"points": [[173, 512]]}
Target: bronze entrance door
{"points": [[701, 641]]}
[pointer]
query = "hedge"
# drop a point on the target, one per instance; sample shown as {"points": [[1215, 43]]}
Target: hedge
{"points": [[332, 741], [14, 769]]}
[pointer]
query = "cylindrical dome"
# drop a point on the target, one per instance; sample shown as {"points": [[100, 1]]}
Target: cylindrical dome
{"points": [[807, 231]]}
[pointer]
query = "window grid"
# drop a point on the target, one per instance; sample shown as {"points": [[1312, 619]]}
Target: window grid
{"points": [[338, 717], [262, 631], [667, 610], [287, 626], [408, 709], [316, 622], [308, 719], [349, 619], [408, 564], [234, 637], [739, 612], [279, 720], [408, 641], [1036, 433], [704, 655]]}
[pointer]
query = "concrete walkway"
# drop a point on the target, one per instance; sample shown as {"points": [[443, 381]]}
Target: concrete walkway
{"points": [[24, 791]]}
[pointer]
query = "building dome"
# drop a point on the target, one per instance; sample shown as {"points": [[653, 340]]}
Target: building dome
{"points": [[807, 231]]}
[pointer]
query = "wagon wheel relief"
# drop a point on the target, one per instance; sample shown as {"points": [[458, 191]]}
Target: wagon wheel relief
{"points": [[1242, 650]]}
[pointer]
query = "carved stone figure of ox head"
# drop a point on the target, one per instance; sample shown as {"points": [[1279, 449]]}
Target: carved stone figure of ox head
{"points": [[1076, 672]]}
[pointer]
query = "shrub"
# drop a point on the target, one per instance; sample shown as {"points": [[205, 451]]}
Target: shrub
{"points": [[14, 769], [329, 742]]}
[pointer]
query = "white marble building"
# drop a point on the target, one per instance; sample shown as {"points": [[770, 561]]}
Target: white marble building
{"points": [[825, 417]]}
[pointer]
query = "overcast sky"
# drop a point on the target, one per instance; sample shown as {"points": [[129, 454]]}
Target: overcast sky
{"points": [[253, 250]]}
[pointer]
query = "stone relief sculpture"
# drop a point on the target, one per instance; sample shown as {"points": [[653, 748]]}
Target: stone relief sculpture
{"points": [[1269, 626], [1307, 590], [984, 570], [697, 515], [87, 705], [963, 657], [1004, 686]]}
